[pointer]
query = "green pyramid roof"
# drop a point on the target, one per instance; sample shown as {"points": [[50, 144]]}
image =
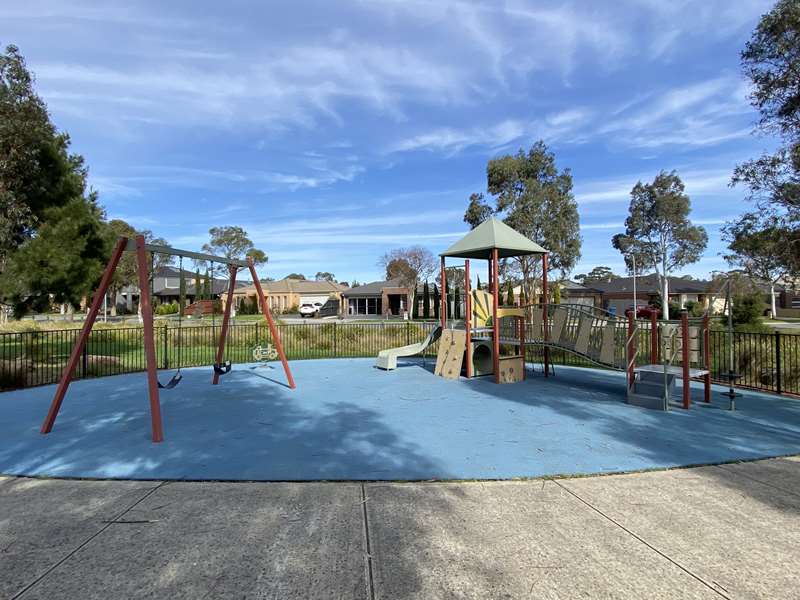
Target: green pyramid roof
{"points": [[490, 234]]}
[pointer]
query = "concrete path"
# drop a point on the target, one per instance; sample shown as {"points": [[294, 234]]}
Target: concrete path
{"points": [[729, 531]]}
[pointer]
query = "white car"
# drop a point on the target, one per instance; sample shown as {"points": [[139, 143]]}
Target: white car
{"points": [[310, 309]]}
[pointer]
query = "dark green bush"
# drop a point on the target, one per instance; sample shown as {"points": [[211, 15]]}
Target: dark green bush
{"points": [[748, 309]]}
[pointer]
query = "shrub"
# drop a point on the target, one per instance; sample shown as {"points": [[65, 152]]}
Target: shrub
{"points": [[695, 308], [170, 308], [747, 309]]}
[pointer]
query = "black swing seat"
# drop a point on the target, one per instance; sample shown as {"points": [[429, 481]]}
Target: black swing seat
{"points": [[176, 379], [223, 368]]}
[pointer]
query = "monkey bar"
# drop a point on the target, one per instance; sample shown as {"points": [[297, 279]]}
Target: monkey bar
{"points": [[139, 246]]}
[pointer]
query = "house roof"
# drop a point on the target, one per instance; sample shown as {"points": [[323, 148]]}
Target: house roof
{"points": [[295, 286], [648, 284], [372, 289], [491, 234]]}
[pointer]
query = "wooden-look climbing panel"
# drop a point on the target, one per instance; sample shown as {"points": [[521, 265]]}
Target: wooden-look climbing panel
{"points": [[672, 334], [607, 345], [452, 345], [584, 333], [559, 320], [536, 320], [511, 369]]}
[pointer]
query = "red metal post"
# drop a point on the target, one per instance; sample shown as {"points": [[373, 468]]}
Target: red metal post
{"points": [[545, 332], [443, 299], [653, 337], [77, 350], [522, 343], [149, 339], [687, 398], [226, 317], [276, 337], [706, 358], [495, 323], [468, 309], [630, 348]]}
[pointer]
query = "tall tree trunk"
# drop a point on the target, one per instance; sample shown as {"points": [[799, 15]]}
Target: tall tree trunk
{"points": [[665, 299], [772, 299]]}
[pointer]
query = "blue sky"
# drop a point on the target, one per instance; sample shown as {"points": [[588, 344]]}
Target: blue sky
{"points": [[333, 131]]}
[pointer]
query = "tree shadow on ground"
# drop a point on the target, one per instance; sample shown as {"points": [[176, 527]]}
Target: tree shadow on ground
{"points": [[762, 426], [246, 429]]}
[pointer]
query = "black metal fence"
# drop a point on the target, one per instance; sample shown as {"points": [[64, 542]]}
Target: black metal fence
{"points": [[769, 362]]}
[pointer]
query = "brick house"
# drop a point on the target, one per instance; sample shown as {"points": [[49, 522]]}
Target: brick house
{"points": [[376, 299]]}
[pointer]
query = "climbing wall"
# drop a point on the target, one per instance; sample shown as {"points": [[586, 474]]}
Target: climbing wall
{"points": [[452, 345], [512, 369]]}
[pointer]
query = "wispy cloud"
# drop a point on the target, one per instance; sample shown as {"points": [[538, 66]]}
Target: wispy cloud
{"points": [[559, 126], [704, 113], [618, 189], [331, 132]]}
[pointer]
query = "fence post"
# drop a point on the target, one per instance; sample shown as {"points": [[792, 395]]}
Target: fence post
{"points": [[408, 332], [778, 362], [166, 346], [335, 345], [85, 359]]}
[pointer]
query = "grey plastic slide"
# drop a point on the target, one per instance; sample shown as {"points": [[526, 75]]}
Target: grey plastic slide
{"points": [[387, 359]]}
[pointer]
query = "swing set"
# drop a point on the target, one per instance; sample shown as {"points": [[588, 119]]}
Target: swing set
{"points": [[220, 366]]}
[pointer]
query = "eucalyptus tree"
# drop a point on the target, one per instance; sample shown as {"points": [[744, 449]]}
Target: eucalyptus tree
{"points": [[533, 197], [658, 232], [771, 63]]}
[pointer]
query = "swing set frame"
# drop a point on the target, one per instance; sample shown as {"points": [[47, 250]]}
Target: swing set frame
{"points": [[140, 247]]}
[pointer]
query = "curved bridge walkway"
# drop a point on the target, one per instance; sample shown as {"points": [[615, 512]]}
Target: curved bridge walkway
{"points": [[728, 531]]}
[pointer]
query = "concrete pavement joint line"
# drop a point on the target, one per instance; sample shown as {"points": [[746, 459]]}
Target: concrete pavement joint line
{"points": [[751, 478], [86, 541], [368, 545], [643, 541]]}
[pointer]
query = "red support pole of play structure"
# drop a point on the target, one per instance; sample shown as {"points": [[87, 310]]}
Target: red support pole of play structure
{"points": [[495, 324], [545, 328], [149, 339], [468, 310], [443, 299], [522, 342], [687, 398], [490, 284], [226, 317], [653, 338], [630, 349], [83, 337], [706, 359], [276, 338]]}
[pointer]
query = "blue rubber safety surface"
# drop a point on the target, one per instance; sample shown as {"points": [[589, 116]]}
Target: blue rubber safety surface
{"points": [[349, 421]]}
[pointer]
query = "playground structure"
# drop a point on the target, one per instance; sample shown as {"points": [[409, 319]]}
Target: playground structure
{"points": [[387, 359], [220, 366], [493, 339], [491, 345], [678, 350]]}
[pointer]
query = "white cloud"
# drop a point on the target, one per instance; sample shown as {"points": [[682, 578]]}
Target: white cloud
{"points": [[703, 113], [697, 182], [560, 126]]}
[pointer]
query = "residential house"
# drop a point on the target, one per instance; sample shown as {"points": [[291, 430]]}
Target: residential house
{"points": [[616, 296], [286, 295], [376, 299], [166, 288]]}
